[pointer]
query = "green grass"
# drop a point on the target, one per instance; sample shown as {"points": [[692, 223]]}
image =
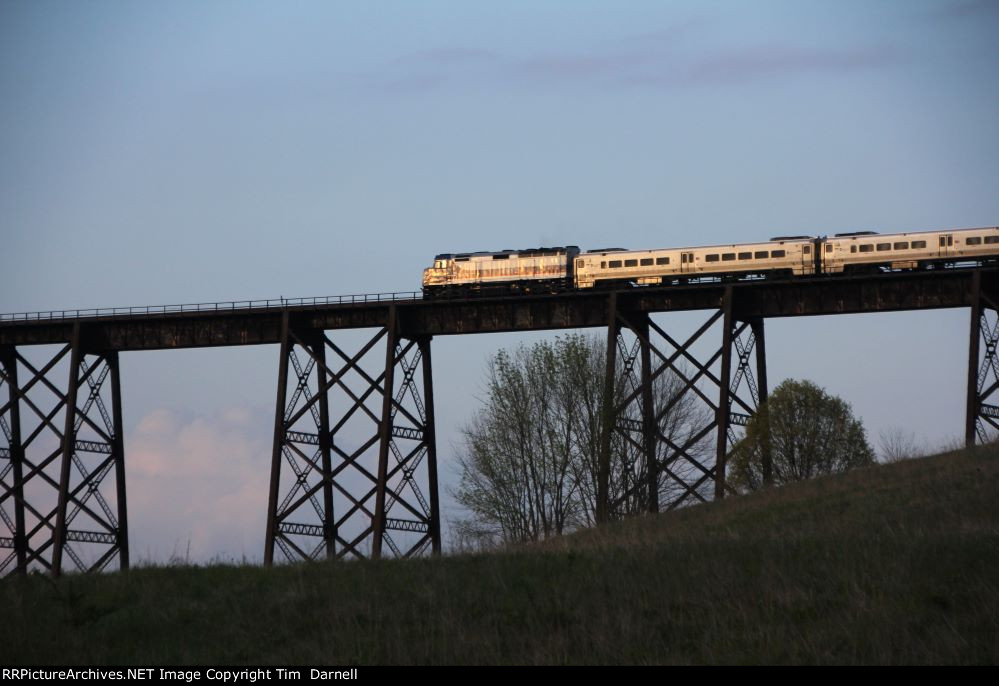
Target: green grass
{"points": [[892, 564]]}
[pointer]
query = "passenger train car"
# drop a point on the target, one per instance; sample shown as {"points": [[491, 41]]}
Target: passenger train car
{"points": [[559, 269]]}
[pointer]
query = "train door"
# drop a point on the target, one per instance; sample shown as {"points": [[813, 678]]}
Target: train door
{"points": [[946, 243], [686, 262]]}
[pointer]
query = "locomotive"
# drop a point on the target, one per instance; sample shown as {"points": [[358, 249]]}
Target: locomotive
{"points": [[552, 270]]}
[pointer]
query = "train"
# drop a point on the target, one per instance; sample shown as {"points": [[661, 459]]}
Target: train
{"points": [[553, 270]]}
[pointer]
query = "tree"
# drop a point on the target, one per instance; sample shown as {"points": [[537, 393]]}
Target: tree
{"points": [[530, 461], [896, 445], [801, 432], [516, 473]]}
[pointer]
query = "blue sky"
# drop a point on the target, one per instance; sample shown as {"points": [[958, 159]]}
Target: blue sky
{"points": [[202, 151]]}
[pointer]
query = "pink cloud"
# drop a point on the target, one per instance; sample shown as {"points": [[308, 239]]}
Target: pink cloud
{"points": [[198, 486]]}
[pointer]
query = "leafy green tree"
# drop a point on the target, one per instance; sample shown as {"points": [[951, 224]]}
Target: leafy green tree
{"points": [[801, 432]]}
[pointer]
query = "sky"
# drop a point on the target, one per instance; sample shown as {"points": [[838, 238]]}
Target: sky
{"points": [[156, 153]]}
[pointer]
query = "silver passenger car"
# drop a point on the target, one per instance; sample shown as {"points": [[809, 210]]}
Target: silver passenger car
{"points": [[792, 255], [867, 251]]}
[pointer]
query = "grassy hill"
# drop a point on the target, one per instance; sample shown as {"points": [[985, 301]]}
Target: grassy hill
{"points": [[892, 564]]}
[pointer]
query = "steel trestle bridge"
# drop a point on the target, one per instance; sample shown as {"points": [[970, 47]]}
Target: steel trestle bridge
{"points": [[354, 455]]}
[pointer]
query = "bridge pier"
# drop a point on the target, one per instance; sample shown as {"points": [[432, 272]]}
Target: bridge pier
{"points": [[656, 446], [57, 481], [982, 412], [355, 451]]}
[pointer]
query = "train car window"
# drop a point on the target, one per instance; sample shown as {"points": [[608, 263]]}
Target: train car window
{"points": [[505, 256], [711, 258], [778, 253], [614, 264], [579, 264], [761, 254], [603, 265], [991, 239], [853, 248], [807, 249], [745, 256], [828, 247], [646, 261], [866, 247], [631, 263], [662, 260], [683, 258], [903, 245], [884, 246], [918, 244], [974, 240], [728, 257]]}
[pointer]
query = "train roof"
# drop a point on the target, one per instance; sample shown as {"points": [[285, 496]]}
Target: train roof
{"points": [[526, 252]]}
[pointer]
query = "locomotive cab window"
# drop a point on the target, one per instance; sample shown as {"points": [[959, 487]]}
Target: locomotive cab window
{"points": [[828, 247], [807, 249]]}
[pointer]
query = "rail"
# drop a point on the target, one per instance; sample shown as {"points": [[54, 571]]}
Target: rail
{"points": [[231, 305], [360, 298]]}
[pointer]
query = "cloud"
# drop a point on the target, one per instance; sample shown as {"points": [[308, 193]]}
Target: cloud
{"points": [[967, 8], [453, 56], [767, 60], [655, 60], [197, 486]]}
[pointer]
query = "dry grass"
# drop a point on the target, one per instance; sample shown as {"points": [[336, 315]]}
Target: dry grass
{"points": [[892, 564]]}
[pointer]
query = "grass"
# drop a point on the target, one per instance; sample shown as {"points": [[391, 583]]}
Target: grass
{"points": [[891, 564]]}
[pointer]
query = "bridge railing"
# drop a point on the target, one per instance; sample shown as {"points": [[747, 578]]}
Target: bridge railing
{"points": [[280, 303]]}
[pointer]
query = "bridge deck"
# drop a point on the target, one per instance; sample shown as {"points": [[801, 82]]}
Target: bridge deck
{"points": [[255, 325]]}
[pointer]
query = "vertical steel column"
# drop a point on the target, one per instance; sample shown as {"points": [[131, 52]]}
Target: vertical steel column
{"points": [[763, 393], [384, 435], [971, 416], [723, 394], [649, 428], [430, 436], [325, 446], [603, 472], [8, 360], [68, 440], [118, 452], [279, 410]]}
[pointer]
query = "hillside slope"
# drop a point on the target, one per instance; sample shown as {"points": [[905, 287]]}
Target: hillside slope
{"points": [[892, 564]]}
